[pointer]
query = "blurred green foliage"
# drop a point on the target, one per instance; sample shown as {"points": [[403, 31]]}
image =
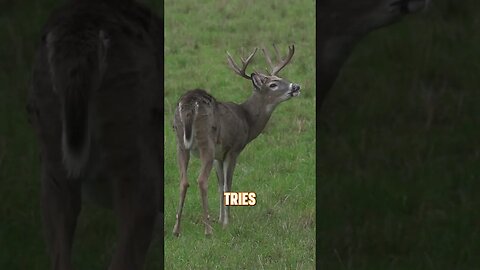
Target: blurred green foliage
{"points": [[399, 150]]}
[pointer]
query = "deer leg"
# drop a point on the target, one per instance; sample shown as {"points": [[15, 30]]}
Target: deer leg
{"points": [[206, 158], [61, 203], [220, 174], [136, 204], [183, 156], [228, 168]]}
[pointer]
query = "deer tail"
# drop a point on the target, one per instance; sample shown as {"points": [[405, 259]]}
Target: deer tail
{"points": [[76, 61], [188, 117]]}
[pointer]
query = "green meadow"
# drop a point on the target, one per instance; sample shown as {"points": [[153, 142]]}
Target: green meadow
{"points": [[278, 232], [398, 157], [399, 148]]}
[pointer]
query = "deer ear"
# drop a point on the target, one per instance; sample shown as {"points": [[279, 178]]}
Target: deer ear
{"points": [[258, 80]]}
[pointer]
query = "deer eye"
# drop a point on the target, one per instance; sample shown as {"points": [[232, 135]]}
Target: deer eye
{"points": [[273, 85]]}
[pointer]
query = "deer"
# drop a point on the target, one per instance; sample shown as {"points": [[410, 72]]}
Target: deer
{"points": [[343, 23], [96, 106], [217, 132]]}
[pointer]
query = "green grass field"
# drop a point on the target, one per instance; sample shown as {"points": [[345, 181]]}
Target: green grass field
{"points": [[399, 150], [279, 232], [398, 157]]}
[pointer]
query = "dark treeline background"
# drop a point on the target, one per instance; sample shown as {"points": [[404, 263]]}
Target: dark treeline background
{"points": [[399, 156]]}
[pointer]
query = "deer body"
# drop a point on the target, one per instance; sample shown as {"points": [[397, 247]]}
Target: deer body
{"points": [[211, 121], [96, 106], [214, 120], [217, 132]]}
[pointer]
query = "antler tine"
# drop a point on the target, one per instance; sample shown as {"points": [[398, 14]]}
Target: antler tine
{"points": [[245, 62], [267, 57], [284, 62], [249, 58], [231, 63]]}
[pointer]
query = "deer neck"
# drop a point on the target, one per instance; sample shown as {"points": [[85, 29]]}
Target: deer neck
{"points": [[258, 111]]}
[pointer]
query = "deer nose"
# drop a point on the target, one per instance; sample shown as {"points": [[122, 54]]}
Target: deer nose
{"points": [[295, 87]]}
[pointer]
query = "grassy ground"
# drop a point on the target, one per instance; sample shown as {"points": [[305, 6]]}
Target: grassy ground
{"points": [[399, 148], [279, 232]]}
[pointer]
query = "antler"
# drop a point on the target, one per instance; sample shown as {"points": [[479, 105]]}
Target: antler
{"points": [[236, 69], [275, 69]]}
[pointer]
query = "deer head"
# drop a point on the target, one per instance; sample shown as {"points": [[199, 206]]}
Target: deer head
{"points": [[269, 87], [343, 23]]}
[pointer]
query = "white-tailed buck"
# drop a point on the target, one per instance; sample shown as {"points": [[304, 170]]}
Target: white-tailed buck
{"points": [[218, 131], [96, 106], [343, 23]]}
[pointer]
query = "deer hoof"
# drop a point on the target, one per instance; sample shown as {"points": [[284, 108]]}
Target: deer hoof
{"points": [[208, 231], [176, 231]]}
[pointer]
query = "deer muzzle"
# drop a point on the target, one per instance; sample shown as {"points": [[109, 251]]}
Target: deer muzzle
{"points": [[295, 90], [417, 5]]}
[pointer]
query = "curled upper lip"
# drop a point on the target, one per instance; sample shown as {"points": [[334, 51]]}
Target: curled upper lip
{"points": [[294, 92]]}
